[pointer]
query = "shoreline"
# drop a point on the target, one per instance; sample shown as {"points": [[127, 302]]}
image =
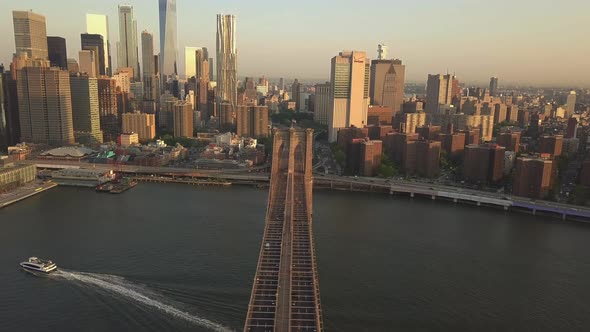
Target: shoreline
{"points": [[30, 192]]}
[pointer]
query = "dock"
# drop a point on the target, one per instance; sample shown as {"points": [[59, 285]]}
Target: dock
{"points": [[193, 182]]}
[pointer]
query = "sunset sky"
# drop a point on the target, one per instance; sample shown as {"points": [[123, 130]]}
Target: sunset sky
{"points": [[542, 42]]}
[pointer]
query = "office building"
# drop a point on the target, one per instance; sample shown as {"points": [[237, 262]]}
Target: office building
{"points": [[141, 123], [509, 140], [168, 38], [57, 51], [370, 157], [123, 81], [484, 163], [95, 43], [127, 46], [150, 78], [110, 117], [387, 84], [166, 113], [183, 119], [323, 96], [99, 25], [296, 94], [45, 105], [227, 80], [190, 61], [438, 92], [202, 65], [570, 108], [85, 109], [494, 87], [252, 121], [349, 104], [14, 176], [88, 64], [30, 34], [552, 145], [73, 66], [9, 113], [534, 177]]}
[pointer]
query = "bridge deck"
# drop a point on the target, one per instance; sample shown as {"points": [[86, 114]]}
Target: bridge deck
{"points": [[285, 294]]}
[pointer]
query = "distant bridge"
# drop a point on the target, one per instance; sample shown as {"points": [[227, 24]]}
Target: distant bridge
{"points": [[286, 294]]}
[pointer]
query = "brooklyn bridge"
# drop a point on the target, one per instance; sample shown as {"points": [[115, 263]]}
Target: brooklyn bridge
{"points": [[286, 294]]}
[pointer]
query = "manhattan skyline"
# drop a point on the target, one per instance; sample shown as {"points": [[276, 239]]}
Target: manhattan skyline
{"points": [[519, 45]]}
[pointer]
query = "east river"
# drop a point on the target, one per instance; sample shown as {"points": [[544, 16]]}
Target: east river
{"points": [[182, 258]]}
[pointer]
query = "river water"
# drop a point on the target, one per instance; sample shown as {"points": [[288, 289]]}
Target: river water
{"points": [[175, 257]]}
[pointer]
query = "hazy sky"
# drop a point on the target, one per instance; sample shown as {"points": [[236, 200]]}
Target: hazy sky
{"points": [[537, 41]]}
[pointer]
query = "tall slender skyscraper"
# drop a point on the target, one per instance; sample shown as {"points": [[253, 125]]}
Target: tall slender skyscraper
{"points": [[168, 38], [99, 25], [570, 108], [149, 67], [58, 55], [30, 34], [227, 58], [127, 45], [202, 64], [350, 92]]}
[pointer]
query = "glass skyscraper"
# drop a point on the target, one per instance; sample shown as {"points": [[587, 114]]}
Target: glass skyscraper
{"points": [[99, 25], [168, 39], [127, 45]]}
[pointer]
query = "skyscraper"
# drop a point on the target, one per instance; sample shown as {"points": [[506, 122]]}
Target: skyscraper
{"points": [[439, 91], [85, 109], [168, 38], [45, 105], [323, 96], [296, 94], [570, 108], [95, 43], [150, 79], [387, 83], [30, 34], [494, 86], [227, 80], [202, 64], [99, 25], [88, 61], [127, 45], [349, 104], [58, 55], [110, 117], [190, 63]]}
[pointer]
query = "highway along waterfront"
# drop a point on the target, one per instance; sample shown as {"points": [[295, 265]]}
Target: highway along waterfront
{"points": [[167, 257]]}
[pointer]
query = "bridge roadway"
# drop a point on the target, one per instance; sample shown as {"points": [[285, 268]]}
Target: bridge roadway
{"points": [[285, 292], [393, 186]]}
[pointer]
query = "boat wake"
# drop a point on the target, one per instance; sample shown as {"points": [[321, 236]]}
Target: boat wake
{"points": [[118, 285]]}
